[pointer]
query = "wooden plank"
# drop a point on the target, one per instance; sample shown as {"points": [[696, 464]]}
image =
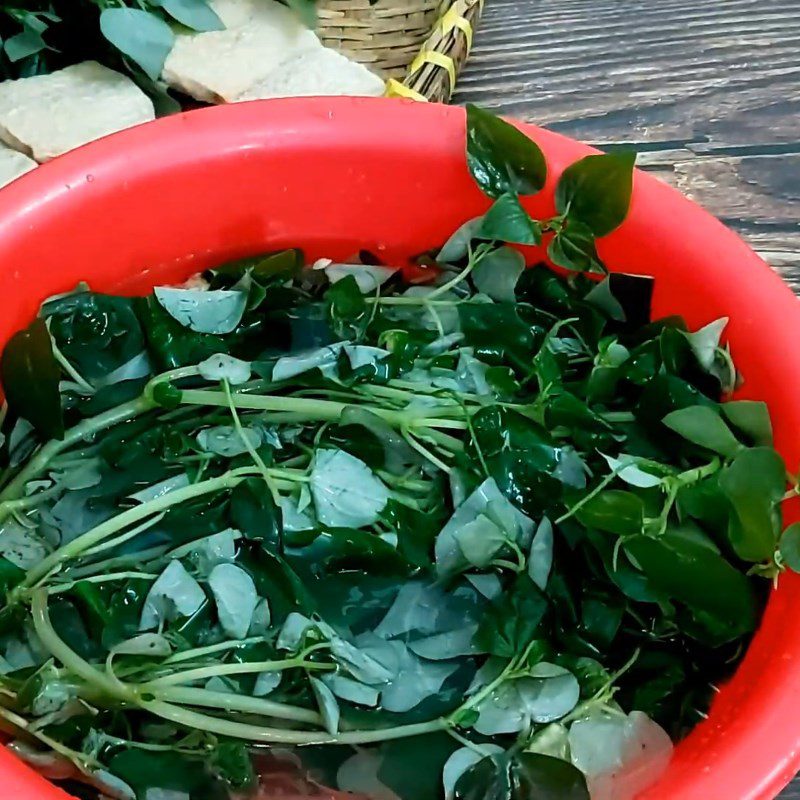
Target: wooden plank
{"points": [[707, 92]]}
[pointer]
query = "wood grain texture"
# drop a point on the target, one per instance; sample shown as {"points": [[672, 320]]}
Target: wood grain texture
{"points": [[708, 92]]}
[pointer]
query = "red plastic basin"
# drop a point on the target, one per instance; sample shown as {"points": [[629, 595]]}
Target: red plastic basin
{"points": [[161, 201]]}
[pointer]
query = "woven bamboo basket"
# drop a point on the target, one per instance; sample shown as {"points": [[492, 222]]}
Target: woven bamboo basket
{"points": [[419, 46]]}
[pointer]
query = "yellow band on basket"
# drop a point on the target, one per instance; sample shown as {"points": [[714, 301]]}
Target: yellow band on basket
{"points": [[396, 89], [434, 57], [451, 19]]}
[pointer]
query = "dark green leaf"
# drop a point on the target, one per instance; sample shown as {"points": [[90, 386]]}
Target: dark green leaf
{"points": [[703, 426], [254, 513], [573, 247], [172, 344], [143, 770], [428, 753], [497, 332], [613, 511], [520, 457], [526, 776], [232, 762], [416, 532], [790, 547], [347, 308], [597, 191], [10, 576], [508, 221], [754, 482], [280, 266], [343, 550], [511, 623], [30, 377], [97, 333], [166, 394], [751, 417], [700, 578], [500, 158]]}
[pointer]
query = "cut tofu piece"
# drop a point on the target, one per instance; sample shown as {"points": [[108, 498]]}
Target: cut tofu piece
{"points": [[316, 72], [218, 66], [13, 164], [47, 115]]}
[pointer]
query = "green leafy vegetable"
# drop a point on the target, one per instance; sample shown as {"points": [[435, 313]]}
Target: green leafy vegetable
{"points": [[596, 191], [30, 378], [499, 525], [500, 158]]}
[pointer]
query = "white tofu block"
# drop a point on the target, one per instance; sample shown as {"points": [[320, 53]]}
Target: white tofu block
{"points": [[13, 164], [47, 115], [322, 71], [218, 66]]}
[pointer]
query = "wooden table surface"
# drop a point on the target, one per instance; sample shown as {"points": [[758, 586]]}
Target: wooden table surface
{"points": [[707, 91]]}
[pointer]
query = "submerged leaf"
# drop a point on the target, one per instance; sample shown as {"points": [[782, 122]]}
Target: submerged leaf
{"points": [[216, 312], [30, 377], [224, 367], [175, 593], [236, 598], [461, 761], [497, 273], [328, 706], [346, 492]]}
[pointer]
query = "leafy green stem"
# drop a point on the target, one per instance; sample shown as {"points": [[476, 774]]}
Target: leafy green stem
{"points": [[245, 668], [54, 644], [229, 701], [108, 528], [261, 734]]}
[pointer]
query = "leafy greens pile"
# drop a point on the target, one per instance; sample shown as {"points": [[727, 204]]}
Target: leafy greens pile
{"points": [[489, 521]]}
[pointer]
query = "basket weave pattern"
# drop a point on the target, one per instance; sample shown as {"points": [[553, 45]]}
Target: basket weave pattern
{"points": [[389, 36]]}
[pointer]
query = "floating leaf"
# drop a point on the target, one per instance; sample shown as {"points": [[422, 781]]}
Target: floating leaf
{"points": [[224, 367], [527, 775], [790, 547], [215, 312], [328, 706], [346, 492], [368, 277], [175, 593], [30, 378], [228, 441], [500, 158], [236, 598], [540, 558], [461, 761], [596, 191]]}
